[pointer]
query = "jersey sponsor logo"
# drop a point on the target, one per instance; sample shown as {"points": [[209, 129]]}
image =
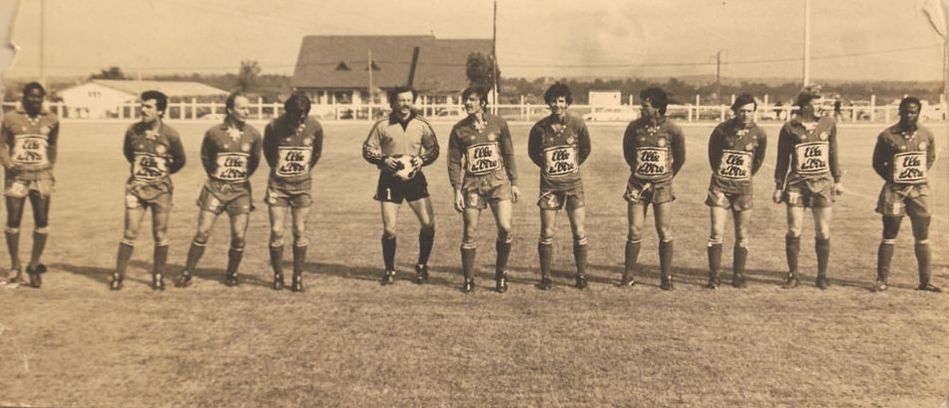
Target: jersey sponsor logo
{"points": [[231, 167], [560, 161], [30, 150], [812, 158], [483, 158], [146, 167], [735, 165], [652, 162], [293, 161], [909, 167]]}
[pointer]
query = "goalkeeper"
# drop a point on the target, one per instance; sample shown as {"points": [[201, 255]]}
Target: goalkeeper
{"points": [[402, 140]]}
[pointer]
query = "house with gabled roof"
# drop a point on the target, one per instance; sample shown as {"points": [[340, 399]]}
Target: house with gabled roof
{"points": [[101, 98], [336, 69]]}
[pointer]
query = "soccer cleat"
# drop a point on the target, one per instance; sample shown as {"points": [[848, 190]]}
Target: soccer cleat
{"points": [[184, 279], [388, 278], [469, 286], [545, 284], [791, 282], [627, 281], [581, 282], [297, 284], [421, 274], [500, 281], [822, 282], [277, 281], [231, 280], [713, 283], [117, 282], [666, 283], [36, 280], [879, 286], [929, 287], [158, 282], [739, 281], [15, 281]]}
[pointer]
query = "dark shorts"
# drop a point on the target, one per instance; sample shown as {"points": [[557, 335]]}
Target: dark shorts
{"points": [[902, 200], [394, 190], [556, 200], [234, 199], [281, 196], [732, 201], [480, 197], [19, 185], [810, 194], [646, 193]]}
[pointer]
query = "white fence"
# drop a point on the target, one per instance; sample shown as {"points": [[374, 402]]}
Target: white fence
{"points": [[214, 111]]}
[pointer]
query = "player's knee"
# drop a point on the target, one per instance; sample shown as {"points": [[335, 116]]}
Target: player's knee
{"points": [[201, 238], [11, 231], [547, 233], [665, 233], [742, 243], [579, 231], [237, 242], [427, 229], [823, 233], [129, 235], [505, 236], [921, 228], [41, 230], [388, 234], [635, 233], [794, 230], [580, 239]]}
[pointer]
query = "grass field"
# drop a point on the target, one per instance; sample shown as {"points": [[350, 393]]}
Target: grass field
{"points": [[349, 342]]}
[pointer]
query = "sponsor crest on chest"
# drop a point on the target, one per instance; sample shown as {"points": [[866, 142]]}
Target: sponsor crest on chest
{"points": [[231, 167], [147, 166], [560, 161], [735, 165], [293, 161], [909, 167], [812, 158], [482, 158], [652, 162]]}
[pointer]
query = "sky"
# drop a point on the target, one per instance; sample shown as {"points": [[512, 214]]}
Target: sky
{"points": [[850, 39]]}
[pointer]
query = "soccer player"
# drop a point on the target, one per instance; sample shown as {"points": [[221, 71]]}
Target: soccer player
{"points": [[559, 144], [736, 151], [155, 152], [230, 153], [807, 175], [903, 155], [483, 172], [654, 148], [403, 134], [293, 143], [28, 154]]}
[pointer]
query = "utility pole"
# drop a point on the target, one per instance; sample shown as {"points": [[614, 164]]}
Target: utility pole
{"points": [[718, 74], [42, 44], [494, 58], [807, 43], [371, 99]]}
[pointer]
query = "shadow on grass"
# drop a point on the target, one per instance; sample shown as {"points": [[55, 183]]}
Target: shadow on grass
{"points": [[139, 272]]}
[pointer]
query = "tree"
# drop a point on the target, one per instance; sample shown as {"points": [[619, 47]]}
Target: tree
{"points": [[110, 73], [480, 71], [247, 76]]}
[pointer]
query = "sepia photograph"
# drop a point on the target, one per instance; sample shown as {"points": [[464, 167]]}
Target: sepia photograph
{"points": [[482, 203]]}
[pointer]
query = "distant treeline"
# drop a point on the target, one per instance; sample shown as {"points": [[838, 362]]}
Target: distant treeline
{"points": [[275, 88]]}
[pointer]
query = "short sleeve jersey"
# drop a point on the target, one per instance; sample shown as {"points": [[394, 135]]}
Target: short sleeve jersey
{"points": [[559, 147], [31, 141], [481, 153]]}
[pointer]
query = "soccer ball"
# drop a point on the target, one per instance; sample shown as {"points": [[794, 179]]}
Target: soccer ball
{"points": [[407, 167]]}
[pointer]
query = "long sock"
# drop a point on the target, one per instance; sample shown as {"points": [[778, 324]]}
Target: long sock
{"points": [[792, 247], [546, 253], [122, 259], [580, 255], [666, 251], [822, 248], [13, 247], [503, 253], [161, 259], [234, 256], [276, 259], [468, 262], [884, 259], [194, 255], [299, 259], [714, 259], [388, 252], [740, 258], [924, 259], [632, 256], [426, 240], [39, 243]]}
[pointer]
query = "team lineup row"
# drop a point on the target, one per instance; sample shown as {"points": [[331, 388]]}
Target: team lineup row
{"points": [[483, 173]]}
